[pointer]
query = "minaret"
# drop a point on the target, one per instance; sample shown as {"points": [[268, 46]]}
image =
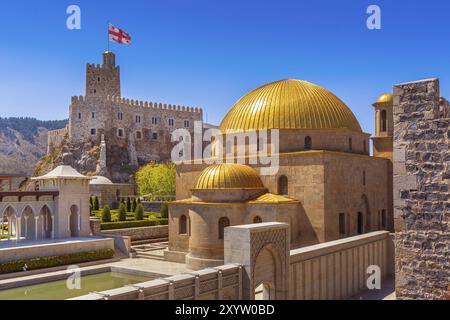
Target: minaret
{"points": [[383, 147], [384, 127]]}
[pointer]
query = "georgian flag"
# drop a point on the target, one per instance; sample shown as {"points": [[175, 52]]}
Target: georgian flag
{"points": [[118, 35]]}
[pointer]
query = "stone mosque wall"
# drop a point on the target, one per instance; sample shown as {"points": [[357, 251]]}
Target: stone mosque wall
{"points": [[421, 190]]}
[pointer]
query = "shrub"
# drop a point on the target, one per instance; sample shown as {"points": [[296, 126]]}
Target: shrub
{"points": [[128, 205], [133, 224], [164, 210], [139, 212], [134, 205], [96, 203], [122, 213], [106, 214], [54, 261]]}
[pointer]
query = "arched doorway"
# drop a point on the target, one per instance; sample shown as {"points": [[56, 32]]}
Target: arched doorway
{"points": [[367, 214], [360, 223], [308, 143], [267, 274], [223, 223], [9, 222], [182, 225], [74, 221], [45, 222], [28, 229], [283, 188]]}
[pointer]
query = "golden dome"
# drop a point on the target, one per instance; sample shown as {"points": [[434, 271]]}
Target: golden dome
{"points": [[289, 104], [386, 98], [228, 176]]}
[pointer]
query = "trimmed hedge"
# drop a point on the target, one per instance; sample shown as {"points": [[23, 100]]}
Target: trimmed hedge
{"points": [[55, 261], [133, 224]]}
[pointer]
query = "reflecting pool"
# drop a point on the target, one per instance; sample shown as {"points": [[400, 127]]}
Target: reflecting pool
{"points": [[57, 290]]}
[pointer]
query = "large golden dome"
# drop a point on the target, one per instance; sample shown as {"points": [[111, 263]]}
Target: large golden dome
{"points": [[289, 104], [228, 176]]}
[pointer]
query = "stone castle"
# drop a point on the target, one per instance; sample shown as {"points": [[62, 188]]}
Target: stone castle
{"points": [[120, 133]]}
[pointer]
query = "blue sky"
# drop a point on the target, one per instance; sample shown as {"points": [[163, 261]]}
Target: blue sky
{"points": [[210, 53]]}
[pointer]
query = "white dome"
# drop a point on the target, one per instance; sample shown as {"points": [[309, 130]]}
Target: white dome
{"points": [[100, 180]]}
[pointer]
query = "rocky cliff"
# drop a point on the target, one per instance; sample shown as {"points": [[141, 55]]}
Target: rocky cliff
{"points": [[23, 142]]}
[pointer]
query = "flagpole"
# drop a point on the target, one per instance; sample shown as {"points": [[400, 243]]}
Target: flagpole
{"points": [[107, 33]]}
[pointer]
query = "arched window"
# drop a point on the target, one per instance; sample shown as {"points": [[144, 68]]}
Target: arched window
{"points": [[283, 185], [182, 225], [257, 219], [360, 223], [383, 219], [350, 144], [342, 230], [383, 121], [223, 223], [308, 143]]}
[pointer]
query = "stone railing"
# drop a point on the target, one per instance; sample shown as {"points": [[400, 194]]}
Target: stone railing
{"points": [[220, 283], [338, 269]]}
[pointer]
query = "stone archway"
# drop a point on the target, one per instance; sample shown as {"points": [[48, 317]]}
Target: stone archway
{"points": [[74, 221], [28, 230], [44, 224], [267, 274], [367, 217], [9, 217]]}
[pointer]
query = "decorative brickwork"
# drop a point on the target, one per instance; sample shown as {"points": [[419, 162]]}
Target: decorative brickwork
{"points": [[421, 190]]}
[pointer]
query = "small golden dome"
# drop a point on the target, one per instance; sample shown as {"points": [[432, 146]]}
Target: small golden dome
{"points": [[228, 176], [289, 104], [385, 98]]}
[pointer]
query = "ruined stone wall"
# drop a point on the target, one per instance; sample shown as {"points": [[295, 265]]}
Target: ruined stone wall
{"points": [[55, 138], [421, 190]]}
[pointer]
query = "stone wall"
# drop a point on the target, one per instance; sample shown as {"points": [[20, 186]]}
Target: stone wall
{"points": [[421, 190], [142, 233], [338, 269], [221, 283], [55, 138]]}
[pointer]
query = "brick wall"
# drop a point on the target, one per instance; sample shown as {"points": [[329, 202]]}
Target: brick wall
{"points": [[421, 190]]}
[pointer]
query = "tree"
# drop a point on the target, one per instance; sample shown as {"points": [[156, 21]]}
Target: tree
{"points": [[122, 212], [128, 204], [96, 203], [106, 214], [164, 210], [139, 215], [134, 205], [156, 179]]}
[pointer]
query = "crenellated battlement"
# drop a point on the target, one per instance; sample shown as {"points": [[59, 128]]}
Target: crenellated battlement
{"points": [[136, 103], [97, 67]]}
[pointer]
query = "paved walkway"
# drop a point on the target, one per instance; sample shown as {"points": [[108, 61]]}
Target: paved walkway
{"points": [[387, 292], [158, 267]]}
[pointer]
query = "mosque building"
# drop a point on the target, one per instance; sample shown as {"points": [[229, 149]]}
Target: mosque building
{"points": [[327, 186]]}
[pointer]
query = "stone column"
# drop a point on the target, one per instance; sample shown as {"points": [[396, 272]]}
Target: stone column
{"points": [[36, 228], [263, 249]]}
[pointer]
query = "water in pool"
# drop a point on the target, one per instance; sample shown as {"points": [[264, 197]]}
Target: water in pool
{"points": [[57, 290]]}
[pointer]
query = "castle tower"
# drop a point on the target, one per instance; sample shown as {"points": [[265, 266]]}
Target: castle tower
{"points": [[103, 80], [384, 127]]}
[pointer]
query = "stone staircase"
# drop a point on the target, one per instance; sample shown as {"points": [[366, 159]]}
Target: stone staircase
{"points": [[152, 250]]}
